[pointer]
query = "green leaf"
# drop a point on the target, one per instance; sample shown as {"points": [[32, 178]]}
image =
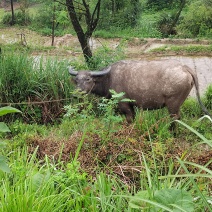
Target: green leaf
{"points": [[176, 199], [4, 127], [171, 199], [8, 109], [3, 165], [39, 179]]}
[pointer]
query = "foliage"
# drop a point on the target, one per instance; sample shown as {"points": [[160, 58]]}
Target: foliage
{"points": [[86, 109], [105, 56], [190, 49], [21, 19], [44, 185], [156, 123], [162, 4], [165, 21], [165, 199], [43, 81], [42, 21], [108, 107], [162, 182], [120, 14], [161, 193], [196, 23], [208, 98], [4, 128]]}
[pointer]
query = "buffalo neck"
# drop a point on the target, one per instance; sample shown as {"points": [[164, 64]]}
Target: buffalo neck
{"points": [[102, 85]]}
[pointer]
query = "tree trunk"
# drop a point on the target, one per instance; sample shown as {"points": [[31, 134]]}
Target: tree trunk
{"points": [[182, 5], [13, 15], [53, 23], [82, 37]]}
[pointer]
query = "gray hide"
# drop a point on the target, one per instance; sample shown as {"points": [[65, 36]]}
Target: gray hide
{"points": [[152, 84]]}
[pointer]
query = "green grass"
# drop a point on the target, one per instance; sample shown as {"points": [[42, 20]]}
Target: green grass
{"points": [[1, 13], [36, 183], [192, 49], [23, 81]]}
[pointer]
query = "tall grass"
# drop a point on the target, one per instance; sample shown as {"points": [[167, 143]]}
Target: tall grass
{"points": [[34, 187], [38, 87], [49, 185]]}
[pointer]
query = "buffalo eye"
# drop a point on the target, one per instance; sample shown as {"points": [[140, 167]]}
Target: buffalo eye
{"points": [[88, 79]]}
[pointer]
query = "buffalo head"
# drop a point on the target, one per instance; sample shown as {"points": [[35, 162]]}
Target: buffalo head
{"points": [[87, 80]]}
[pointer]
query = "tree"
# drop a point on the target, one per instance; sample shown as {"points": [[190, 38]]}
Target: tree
{"points": [[120, 13], [168, 20], [13, 15], [91, 19]]}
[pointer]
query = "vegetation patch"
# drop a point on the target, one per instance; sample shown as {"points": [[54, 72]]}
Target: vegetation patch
{"points": [[184, 50]]}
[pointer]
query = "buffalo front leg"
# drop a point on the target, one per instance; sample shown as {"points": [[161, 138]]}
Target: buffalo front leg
{"points": [[128, 110]]}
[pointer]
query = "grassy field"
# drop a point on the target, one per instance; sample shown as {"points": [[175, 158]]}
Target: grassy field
{"points": [[71, 152], [87, 158]]}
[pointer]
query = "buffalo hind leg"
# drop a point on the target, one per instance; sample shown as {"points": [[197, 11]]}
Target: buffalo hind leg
{"points": [[173, 124], [175, 115]]}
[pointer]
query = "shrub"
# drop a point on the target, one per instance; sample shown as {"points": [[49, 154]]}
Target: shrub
{"points": [[20, 18], [196, 22]]}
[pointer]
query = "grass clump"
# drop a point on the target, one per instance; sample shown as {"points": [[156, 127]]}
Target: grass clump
{"points": [[122, 173], [38, 87], [192, 49]]}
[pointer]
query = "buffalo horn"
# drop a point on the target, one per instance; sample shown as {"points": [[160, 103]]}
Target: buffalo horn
{"points": [[100, 73], [72, 72]]}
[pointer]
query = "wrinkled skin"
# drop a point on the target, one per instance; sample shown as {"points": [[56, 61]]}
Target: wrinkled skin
{"points": [[152, 84]]}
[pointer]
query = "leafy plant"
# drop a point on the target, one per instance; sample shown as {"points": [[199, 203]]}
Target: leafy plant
{"points": [[4, 128], [196, 23], [169, 199], [108, 109]]}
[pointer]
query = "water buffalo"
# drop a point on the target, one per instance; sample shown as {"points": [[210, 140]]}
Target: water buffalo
{"points": [[152, 84]]}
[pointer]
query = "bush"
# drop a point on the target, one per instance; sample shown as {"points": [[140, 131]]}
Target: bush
{"points": [[21, 18], [43, 20], [196, 22], [120, 14]]}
